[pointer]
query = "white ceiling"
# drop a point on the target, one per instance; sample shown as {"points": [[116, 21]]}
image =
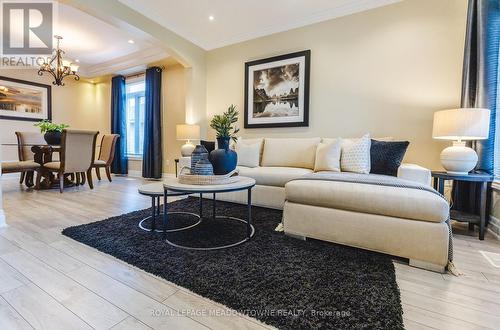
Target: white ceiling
{"points": [[240, 20], [100, 47], [103, 48]]}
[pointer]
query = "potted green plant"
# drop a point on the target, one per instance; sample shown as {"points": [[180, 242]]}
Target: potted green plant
{"points": [[51, 132], [223, 159]]}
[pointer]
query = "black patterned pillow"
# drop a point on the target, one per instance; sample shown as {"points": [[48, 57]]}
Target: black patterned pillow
{"points": [[386, 157]]}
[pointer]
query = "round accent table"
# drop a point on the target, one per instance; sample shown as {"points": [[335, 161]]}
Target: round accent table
{"points": [[483, 180], [155, 191], [242, 183]]}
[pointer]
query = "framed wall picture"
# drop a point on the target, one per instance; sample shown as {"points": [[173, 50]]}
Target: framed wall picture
{"points": [[277, 91], [24, 100]]}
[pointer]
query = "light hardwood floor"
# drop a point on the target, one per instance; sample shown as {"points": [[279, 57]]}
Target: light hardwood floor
{"points": [[48, 281]]}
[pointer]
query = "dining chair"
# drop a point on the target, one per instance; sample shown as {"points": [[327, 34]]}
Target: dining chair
{"points": [[106, 155], [77, 155], [26, 164]]}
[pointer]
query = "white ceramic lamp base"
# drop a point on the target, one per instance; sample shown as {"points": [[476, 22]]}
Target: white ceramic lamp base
{"points": [[187, 149], [458, 159]]}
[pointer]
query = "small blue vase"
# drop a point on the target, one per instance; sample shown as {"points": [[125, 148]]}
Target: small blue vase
{"points": [[223, 159], [199, 153], [204, 167]]}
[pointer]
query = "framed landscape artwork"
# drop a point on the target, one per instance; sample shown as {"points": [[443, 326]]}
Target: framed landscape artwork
{"points": [[24, 100], [277, 91]]}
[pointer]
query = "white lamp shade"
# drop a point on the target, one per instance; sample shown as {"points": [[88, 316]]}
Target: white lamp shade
{"points": [[187, 132], [461, 124]]}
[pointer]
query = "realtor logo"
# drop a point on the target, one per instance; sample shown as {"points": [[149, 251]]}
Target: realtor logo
{"points": [[27, 27]]}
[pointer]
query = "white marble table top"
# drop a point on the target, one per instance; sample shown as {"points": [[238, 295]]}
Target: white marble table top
{"points": [[155, 189], [241, 184]]}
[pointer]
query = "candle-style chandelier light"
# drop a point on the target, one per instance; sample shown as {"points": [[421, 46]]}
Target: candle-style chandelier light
{"points": [[58, 67]]}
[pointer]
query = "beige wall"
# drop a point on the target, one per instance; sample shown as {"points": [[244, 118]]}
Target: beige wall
{"points": [[383, 71], [81, 105], [174, 105]]}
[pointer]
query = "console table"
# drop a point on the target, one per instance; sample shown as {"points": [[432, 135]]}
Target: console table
{"points": [[482, 179]]}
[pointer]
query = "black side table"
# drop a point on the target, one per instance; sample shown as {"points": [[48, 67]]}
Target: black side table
{"points": [[485, 180]]}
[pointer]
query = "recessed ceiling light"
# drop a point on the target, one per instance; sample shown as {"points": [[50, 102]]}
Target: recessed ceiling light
{"points": [[131, 41], [211, 18], [77, 61]]}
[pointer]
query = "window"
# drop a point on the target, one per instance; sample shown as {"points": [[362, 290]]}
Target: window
{"points": [[135, 116]]}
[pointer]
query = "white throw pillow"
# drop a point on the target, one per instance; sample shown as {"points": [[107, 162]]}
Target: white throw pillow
{"points": [[355, 155], [328, 156], [248, 154]]}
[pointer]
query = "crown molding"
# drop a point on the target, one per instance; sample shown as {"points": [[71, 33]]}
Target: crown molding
{"points": [[121, 64], [348, 8]]}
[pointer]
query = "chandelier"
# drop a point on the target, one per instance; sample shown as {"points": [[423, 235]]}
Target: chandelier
{"points": [[58, 67]]}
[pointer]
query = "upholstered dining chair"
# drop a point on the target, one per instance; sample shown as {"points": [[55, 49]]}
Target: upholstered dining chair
{"points": [[26, 164], [76, 156], [106, 155]]}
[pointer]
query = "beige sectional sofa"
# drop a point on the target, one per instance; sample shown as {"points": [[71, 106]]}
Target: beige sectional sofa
{"points": [[404, 222]]}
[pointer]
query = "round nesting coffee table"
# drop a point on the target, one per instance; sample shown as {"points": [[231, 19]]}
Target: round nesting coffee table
{"points": [[156, 191], [241, 183]]}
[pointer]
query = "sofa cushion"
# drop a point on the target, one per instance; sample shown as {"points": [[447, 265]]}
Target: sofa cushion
{"points": [[293, 152], [273, 176], [328, 156], [367, 198]]}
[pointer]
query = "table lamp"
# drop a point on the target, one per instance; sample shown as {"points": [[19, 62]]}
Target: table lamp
{"points": [[460, 125], [187, 132]]}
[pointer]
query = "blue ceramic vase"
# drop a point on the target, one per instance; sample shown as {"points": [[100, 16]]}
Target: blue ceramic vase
{"points": [[223, 159], [199, 153], [203, 167]]}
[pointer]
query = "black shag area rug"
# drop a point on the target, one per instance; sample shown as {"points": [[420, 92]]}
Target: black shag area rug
{"points": [[282, 281]]}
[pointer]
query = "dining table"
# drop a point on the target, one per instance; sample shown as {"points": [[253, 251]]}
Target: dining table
{"points": [[42, 154]]}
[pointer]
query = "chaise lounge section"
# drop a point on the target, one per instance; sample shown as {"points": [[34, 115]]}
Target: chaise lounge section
{"points": [[400, 221]]}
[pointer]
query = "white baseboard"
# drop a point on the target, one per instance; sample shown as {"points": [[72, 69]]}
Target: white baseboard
{"points": [[494, 227], [494, 235], [135, 174], [138, 174]]}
